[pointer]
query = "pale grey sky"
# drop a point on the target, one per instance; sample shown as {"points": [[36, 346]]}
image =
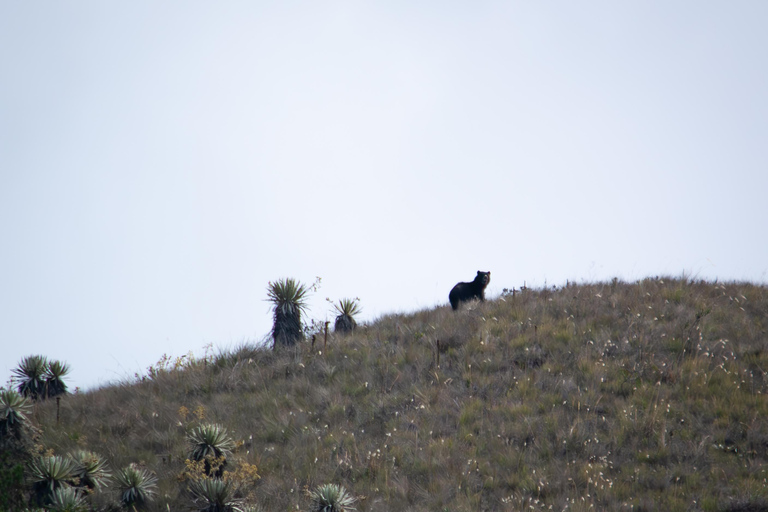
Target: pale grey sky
{"points": [[160, 162]]}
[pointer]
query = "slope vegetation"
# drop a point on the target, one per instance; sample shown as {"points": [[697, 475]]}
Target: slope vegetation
{"points": [[612, 396]]}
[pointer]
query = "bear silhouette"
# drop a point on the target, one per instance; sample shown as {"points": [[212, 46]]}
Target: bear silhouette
{"points": [[463, 292]]}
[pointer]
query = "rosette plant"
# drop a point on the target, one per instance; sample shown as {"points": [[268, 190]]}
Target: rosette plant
{"points": [[137, 486], [289, 301], [49, 473], [31, 375], [331, 498], [54, 382], [211, 444], [91, 470], [345, 320], [39, 378], [13, 413], [215, 495], [67, 499]]}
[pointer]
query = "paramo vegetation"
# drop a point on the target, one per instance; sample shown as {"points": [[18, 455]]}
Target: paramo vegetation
{"points": [[599, 396]]}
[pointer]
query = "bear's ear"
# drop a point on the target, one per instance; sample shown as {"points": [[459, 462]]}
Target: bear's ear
{"points": [[479, 273]]}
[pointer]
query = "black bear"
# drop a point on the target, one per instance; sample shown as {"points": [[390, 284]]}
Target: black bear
{"points": [[463, 292]]}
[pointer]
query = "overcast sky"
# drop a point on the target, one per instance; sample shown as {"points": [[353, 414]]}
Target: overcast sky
{"points": [[161, 162]]}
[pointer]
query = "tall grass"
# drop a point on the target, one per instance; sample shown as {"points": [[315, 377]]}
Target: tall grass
{"points": [[608, 396]]}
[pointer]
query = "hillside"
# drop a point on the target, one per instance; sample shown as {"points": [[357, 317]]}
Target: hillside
{"points": [[611, 396]]}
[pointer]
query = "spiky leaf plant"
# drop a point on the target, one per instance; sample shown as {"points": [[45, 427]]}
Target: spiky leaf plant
{"points": [[209, 442], [331, 498], [251, 508], [347, 309], [13, 413], [55, 384], [67, 499], [31, 375], [289, 300], [47, 474], [215, 495], [91, 470], [137, 486]]}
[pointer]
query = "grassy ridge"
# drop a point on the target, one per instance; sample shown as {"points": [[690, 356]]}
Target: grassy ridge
{"points": [[614, 396]]}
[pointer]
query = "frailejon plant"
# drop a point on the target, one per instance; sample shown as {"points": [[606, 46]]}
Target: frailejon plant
{"points": [[347, 309], [215, 495], [16, 438], [91, 470], [210, 442], [331, 498], [40, 379], [55, 384], [251, 508], [136, 485], [289, 300], [47, 474], [67, 499], [13, 413], [31, 374]]}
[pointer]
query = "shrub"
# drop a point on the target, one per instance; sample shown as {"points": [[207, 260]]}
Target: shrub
{"points": [[11, 482]]}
